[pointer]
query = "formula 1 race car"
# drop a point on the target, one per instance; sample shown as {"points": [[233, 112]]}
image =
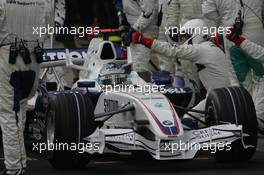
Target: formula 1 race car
{"points": [[94, 117]]}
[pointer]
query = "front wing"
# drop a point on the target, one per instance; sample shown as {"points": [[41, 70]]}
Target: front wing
{"points": [[182, 147]]}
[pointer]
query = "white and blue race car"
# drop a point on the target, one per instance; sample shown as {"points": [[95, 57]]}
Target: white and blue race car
{"points": [[94, 118]]}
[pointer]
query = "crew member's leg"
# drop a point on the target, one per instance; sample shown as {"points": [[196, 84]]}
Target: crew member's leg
{"points": [[18, 83], [258, 98]]}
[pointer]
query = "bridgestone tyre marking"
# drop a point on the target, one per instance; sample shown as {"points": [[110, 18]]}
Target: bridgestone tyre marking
{"points": [[79, 122], [234, 105]]}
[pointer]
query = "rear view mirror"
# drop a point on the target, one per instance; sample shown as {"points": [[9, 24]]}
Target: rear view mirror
{"points": [[86, 84]]}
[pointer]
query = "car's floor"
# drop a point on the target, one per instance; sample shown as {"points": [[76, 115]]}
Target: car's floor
{"points": [[117, 165]]}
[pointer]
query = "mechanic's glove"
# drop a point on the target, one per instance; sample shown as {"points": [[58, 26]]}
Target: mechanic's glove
{"points": [[235, 37], [138, 38], [127, 38]]}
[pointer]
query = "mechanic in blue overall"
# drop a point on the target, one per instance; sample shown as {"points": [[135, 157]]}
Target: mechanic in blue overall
{"points": [[245, 16], [194, 46], [142, 15], [20, 57]]}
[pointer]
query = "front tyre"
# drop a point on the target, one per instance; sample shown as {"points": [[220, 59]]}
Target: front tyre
{"points": [[70, 118], [234, 105]]}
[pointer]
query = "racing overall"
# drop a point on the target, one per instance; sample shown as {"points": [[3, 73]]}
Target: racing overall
{"points": [[257, 52], [189, 9], [142, 15], [248, 72], [209, 59], [169, 12], [246, 69], [245, 66], [20, 55], [254, 50]]}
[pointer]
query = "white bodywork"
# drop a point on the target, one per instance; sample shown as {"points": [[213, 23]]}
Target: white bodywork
{"points": [[154, 126]]}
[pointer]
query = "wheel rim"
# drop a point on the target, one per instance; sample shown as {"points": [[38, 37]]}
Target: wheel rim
{"points": [[211, 116]]}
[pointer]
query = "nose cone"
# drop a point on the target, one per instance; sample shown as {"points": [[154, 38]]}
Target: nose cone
{"points": [[164, 118]]}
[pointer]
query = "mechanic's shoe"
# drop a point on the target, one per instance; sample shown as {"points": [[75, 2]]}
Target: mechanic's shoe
{"points": [[261, 126], [18, 172]]}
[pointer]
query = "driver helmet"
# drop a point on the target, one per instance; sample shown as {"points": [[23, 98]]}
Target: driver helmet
{"points": [[111, 74], [192, 32]]}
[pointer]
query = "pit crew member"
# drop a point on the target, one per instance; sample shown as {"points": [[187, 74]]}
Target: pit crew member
{"points": [[169, 16], [256, 52], [20, 55], [142, 15], [209, 59], [245, 16]]}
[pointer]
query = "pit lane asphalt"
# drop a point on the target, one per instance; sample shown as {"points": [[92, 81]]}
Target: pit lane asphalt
{"points": [[202, 165]]}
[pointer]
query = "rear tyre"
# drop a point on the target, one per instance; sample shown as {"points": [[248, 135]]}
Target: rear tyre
{"points": [[70, 118], [234, 105]]}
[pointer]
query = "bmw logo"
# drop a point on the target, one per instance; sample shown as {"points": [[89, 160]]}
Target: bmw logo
{"points": [[167, 123]]}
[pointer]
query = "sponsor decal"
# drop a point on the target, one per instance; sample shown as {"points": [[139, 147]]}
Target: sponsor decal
{"points": [[124, 138], [60, 54], [206, 133], [159, 105], [176, 90], [167, 123]]}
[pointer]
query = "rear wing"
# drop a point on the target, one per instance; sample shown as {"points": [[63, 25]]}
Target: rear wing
{"points": [[57, 57]]}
